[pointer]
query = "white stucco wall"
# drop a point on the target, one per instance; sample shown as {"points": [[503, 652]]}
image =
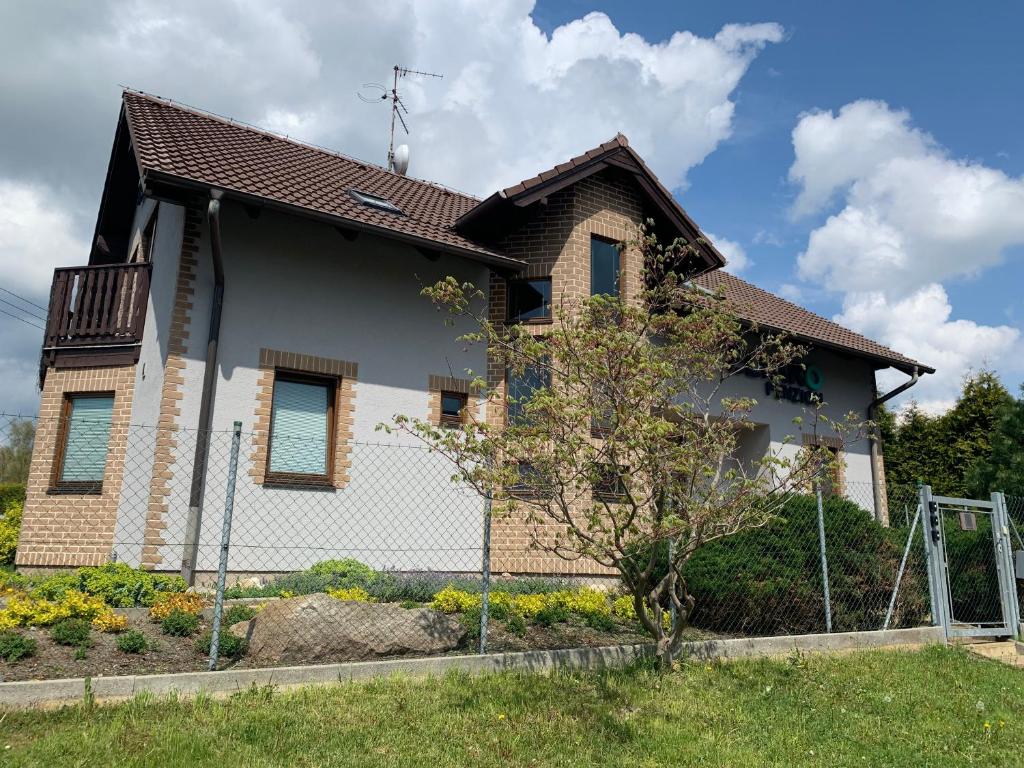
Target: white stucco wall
{"points": [[848, 387], [299, 286], [149, 374]]}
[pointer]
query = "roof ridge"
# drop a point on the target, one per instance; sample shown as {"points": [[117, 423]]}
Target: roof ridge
{"points": [[235, 123]]}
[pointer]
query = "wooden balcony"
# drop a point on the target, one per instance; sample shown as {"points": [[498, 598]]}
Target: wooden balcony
{"points": [[96, 315]]}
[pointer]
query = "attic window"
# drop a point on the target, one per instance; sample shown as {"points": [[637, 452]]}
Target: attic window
{"points": [[374, 202]]}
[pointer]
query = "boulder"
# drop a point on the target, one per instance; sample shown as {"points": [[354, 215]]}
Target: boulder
{"points": [[317, 628]]}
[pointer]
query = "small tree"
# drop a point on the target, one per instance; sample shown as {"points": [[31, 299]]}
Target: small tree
{"points": [[1003, 468], [627, 432]]}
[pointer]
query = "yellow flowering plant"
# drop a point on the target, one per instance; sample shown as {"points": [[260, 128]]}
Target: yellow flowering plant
{"points": [[353, 594], [168, 602]]}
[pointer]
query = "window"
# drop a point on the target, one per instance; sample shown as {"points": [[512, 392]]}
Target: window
{"points": [[374, 202], [609, 486], [529, 300], [521, 387], [452, 408], [302, 429], [604, 267], [84, 442], [531, 483]]}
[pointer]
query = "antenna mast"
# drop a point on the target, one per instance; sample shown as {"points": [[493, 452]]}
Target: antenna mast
{"points": [[398, 108]]}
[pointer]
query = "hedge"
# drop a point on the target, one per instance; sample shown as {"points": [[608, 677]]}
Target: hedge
{"points": [[767, 581]]}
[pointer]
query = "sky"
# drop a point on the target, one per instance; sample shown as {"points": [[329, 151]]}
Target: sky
{"points": [[864, 160]]}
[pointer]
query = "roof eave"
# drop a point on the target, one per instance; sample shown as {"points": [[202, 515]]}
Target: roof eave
{"points": [[503, 263]]}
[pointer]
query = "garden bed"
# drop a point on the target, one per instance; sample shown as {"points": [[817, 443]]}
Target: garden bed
{"points": [[113, 603]]}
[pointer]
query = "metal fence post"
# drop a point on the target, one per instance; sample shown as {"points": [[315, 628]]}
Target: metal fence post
{"points": [[824, 559], [225, 541], [485, 567]]}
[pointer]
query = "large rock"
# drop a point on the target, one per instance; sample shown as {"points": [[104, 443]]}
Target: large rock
{"points": [[318, 628]]}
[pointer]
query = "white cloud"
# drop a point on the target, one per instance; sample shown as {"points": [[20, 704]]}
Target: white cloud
{"points": [[513, 100], [909, 217], [735, 254], [920, 326]]}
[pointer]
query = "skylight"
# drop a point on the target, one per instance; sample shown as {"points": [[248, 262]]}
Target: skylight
{"points": [[374, 202]]}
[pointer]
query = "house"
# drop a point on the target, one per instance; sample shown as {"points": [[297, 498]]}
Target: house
{"points": [[236, 275]]}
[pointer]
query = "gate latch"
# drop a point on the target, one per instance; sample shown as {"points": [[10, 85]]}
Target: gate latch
{"points": [[933, 520]]}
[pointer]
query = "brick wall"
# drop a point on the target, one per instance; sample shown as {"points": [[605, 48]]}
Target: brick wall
{"points": [[71, 530], [555, 242]]}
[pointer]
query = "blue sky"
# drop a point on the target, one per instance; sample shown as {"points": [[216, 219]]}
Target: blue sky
{"points": [[865, 159], [957, 69]]}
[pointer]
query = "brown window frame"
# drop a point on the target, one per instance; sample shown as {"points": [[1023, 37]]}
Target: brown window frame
{"points": [[447, 420], [82, 487], [544, 320], [300, 479], [611, 487]]}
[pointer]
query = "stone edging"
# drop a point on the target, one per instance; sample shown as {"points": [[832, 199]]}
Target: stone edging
{"points": [[51, 693]]}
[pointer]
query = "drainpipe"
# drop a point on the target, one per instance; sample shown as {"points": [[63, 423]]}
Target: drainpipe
{"points": [[881, 509], [195, 499]]}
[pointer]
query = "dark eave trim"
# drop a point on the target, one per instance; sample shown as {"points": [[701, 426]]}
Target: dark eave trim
{"points": [[502, 263]]}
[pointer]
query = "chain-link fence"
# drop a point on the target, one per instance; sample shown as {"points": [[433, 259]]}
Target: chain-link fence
{"points": [[346, 550]]}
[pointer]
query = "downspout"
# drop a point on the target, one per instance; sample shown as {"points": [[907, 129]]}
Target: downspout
{"points": [[881, 509], [195, 499]]}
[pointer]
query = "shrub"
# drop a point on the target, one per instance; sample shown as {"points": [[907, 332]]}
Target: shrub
{"points": [[14, 646], [109, 621], [228, 645], [10, 494], [116, 584], [238, 613], [10, 527], [132, 641], [768, 580], [71, 632], [354, 594], [180, 623], [516, 624], [547, 608], [346, 569], [122, 586], [27, 609], [169, 602]]}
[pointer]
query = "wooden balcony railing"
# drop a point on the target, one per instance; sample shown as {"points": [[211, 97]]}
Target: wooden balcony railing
{"points": [[96, 311]]}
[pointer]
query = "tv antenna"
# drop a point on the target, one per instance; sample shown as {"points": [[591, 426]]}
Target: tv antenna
{"points": [[398, 159]]}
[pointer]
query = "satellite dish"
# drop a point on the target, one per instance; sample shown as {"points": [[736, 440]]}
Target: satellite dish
{"points": [[400, 162]]}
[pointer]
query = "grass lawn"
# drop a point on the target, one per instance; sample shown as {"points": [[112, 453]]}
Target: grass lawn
{"points": [[895, 708]]}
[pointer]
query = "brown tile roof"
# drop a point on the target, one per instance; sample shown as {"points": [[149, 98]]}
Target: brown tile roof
{"points": [[175, 141], [613, 153], [182, 142], [770, 311]]}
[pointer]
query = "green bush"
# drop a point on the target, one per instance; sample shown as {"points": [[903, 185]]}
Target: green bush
{"points": [[515, 623], [180, 624], [550, 614], [15, 646], [132, 641], [229, 646], [10, 528], [11, 493], [237, 613], [767, 580], [71, 632], [117, 584], [346, 569]]}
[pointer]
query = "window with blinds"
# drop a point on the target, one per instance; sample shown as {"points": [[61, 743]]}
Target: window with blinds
{"points": [[84, 442], [301, 429]]}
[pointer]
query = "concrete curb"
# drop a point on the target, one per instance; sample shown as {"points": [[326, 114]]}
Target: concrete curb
{"points": [[52, 693]]}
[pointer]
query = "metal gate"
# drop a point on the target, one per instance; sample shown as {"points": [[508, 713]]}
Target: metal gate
{"points": [[970, 565]]}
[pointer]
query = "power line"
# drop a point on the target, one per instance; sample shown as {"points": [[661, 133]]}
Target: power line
{"points": [[28, 312], [12, 293], [27, 322]]}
